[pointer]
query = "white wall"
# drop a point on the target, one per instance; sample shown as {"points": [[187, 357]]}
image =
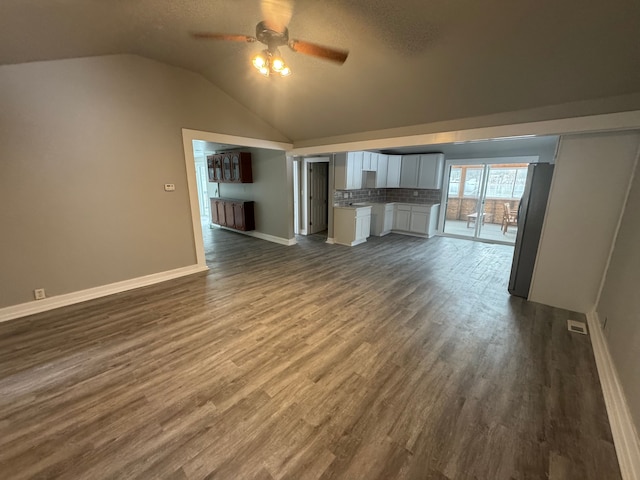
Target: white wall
{"points": [[86, 146], [587, 196], [619, 305]]}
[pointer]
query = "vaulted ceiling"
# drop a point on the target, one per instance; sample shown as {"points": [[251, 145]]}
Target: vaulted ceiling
{"points": [[411, 62]]}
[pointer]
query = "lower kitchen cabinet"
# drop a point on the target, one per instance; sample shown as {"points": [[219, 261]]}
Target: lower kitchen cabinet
{"points": [[421, 220], [402, 217], [351, 225], [230, 213], [381, 219]]}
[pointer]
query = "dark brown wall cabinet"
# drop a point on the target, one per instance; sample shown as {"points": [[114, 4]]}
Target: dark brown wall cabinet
{"points": [[236, 214], [230, 167]]}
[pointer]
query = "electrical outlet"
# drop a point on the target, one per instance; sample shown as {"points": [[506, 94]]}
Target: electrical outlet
{"points": [[415, 194], [169, 187], [39, 294]]}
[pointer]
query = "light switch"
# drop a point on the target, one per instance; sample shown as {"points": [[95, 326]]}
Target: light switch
{"points": [[169, 187]]}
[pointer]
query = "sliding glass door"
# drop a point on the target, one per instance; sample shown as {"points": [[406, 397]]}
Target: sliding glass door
{"points": [[481, 200]]}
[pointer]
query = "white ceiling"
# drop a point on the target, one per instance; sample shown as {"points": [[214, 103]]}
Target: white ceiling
{"points": [[410, 62]]}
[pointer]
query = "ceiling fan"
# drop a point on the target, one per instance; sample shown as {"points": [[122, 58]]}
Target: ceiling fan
{"points": [[274, 34]]}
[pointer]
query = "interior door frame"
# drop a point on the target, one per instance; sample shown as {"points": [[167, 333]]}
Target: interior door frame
{"points": [[202, 179], [482, 194], [304, 205], [296, 196]]}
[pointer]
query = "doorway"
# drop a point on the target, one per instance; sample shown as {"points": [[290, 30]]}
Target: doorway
{"points": [[313, 191], [318, 197], [481, 198]]}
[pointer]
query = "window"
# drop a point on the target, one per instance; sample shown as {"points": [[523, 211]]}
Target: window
{"points": [[473, 182], [454, 181], [506, 182]]}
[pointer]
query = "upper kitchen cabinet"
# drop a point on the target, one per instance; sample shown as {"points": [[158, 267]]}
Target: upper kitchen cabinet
{"points": [[409, 171], [369, 161], [394, 163], [430, 171], [422, 171], [348, 170], [381, 173], [230, 167]]}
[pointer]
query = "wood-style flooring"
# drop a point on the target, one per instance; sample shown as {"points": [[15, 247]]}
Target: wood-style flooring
{"points": [[401, 358]]}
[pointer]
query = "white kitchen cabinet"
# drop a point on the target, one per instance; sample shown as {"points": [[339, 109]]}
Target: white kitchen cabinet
{"points": [[363, 228], [366, 160], [374, 162], [430, 171], [422, 171], [394, 164], [409, 171], [381, 173], [352, 225], [354, 176], [348, 171], [388, 218], [402, 217], [420, 220], [381, 218], [369, 161], [354, 170]]}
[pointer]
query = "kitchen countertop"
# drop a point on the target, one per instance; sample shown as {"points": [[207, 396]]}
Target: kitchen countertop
{"points": [[353, 207], [369, 204]]}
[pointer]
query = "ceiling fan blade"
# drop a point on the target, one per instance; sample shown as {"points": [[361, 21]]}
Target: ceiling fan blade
{"points": [[276, 14], [224, 36], [332, 54]]}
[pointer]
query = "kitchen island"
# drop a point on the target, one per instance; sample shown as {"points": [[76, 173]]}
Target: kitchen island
{"points": [[352, 224]]}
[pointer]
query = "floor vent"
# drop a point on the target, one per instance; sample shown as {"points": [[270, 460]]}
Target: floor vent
{"points": [[578, 327]]}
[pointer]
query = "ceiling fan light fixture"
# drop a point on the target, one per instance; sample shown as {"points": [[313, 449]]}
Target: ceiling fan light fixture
{"points": [[277, 64], [260, 61], [267, 63]]}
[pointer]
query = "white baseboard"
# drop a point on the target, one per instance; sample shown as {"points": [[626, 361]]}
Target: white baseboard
{"points": [[410, 234], [38, 306], [330, 241], [264, 236], [625, 436]]}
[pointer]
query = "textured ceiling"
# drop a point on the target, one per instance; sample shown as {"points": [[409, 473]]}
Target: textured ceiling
{"points": [[410, 62]]}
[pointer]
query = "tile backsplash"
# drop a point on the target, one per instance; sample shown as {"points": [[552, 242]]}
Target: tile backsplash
{"points": [[375, 195]]}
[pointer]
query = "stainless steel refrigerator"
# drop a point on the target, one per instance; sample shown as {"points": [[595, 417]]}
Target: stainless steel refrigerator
{"points": [[530, 217]]}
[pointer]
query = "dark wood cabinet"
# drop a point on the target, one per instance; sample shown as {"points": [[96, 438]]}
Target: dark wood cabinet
{"points": [[214, 165], [230, 167], [215, 218], [239, 216], [236, 214], [229, 221]]}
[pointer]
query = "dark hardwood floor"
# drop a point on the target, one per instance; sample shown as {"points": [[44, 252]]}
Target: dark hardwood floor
{"points": [[401, 358]]}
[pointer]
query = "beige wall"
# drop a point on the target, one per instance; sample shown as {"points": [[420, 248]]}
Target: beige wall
{"points": [[85, 148], [271, 190], [619, 306], [587, 195]]}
